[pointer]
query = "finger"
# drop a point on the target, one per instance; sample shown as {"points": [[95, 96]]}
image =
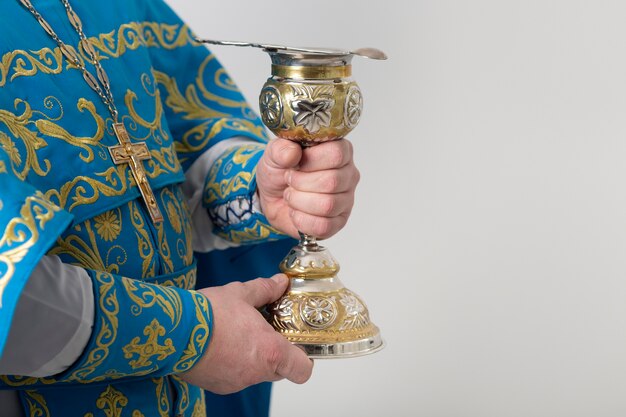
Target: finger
{"points": [[321, 227], [316, 204], [295, 366], [327, 155], [330, 181], [263, 291], [283, 154]]}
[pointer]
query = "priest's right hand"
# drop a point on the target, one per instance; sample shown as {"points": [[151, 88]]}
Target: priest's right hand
{"points": [[244, 349]]}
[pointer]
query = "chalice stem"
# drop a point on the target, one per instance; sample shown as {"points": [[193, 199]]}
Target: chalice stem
{"points": [[307, 241]]}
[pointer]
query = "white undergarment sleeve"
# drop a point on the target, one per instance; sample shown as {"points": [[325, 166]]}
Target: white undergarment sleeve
{"points": [[203, 238], [52, 322]]}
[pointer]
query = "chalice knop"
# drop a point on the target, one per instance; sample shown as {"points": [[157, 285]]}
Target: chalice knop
{"points": [[311, 98]]}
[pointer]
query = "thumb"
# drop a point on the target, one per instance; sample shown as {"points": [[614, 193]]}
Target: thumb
{"points": [[262, 291], [283, 154]]}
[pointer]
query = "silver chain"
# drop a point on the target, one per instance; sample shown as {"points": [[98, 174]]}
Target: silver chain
{"points": [[101, 84]]}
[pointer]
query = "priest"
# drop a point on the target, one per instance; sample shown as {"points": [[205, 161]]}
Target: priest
{"points": [[125, 148]]}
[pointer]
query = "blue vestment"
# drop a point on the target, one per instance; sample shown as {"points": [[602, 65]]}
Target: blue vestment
{"points": [[61, 194], [243, 263]]}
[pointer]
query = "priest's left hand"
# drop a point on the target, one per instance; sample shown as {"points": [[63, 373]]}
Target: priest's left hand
{"points": [[310, 189]]}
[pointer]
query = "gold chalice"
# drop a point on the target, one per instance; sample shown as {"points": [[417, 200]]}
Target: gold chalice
{"points": [[311, 98]]}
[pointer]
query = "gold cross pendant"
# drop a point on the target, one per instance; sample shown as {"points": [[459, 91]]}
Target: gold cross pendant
{"points": [[132, 154]]}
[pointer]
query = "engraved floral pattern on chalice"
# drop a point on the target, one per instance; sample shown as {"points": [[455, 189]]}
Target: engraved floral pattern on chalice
{"points": [[318, 312], [356, 314], [285, 308], [283, 317], [312, 106], [312, 115], [353, 106], [271, 107]]}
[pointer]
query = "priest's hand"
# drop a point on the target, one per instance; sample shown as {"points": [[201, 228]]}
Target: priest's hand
{"points": [[244, 349], [310, 190]]}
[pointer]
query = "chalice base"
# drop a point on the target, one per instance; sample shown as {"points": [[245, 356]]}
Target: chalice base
{"points": [[318, 313], [351, 349]]}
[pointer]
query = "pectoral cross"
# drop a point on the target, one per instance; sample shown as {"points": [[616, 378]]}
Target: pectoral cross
{"points": [[132, 154]]}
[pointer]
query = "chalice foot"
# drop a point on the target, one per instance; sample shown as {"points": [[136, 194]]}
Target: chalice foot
{"points": [[318, 313]]}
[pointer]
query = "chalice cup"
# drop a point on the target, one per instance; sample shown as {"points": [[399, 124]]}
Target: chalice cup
{"points": [[311, 98]]}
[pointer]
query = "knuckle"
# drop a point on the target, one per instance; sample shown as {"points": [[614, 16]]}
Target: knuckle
{"points": [[327, 205], [297, 219], [264, 286], [273, 355], [236, 286], [295, 179], [322, 227], [281, 152], [331, 183], [336, 156]]}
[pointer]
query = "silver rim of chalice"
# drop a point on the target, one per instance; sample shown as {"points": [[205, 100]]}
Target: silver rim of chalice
{"points": [[367, 52], [351, 349]]}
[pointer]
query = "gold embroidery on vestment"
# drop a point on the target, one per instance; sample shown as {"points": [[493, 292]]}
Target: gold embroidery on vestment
{"points": [[37, 406], [199, 335], [162, 396], [220, 190], [128, 37], [109, 224], [109, 306], [143, 351], [111, 401], [145, 296], [22, 233]]}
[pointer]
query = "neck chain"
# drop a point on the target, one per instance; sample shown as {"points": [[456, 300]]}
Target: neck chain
{"points": [[101, 84], [126, 152]]}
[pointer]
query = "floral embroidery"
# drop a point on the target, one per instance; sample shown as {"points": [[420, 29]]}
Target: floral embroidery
{"points": [[108, 225], [174, 217], [10, 148]]}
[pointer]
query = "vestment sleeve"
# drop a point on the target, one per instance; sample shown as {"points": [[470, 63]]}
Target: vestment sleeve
{"points": [[29, 225], [204, 107], [142, 329], [139, 329]]}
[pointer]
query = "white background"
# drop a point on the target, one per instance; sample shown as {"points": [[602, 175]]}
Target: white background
{"points": [[490, 228]]}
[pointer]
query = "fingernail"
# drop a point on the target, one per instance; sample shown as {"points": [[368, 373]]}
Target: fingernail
{"points": [[287, 194], [291, 212], [289, 173]]}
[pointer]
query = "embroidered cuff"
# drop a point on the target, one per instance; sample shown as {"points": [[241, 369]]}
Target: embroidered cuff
{"points": [[239, 210], [142, 329], [139, 329], [231, 200]]}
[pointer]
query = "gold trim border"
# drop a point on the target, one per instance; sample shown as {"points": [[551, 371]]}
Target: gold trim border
{"points": [[311, 72]]}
